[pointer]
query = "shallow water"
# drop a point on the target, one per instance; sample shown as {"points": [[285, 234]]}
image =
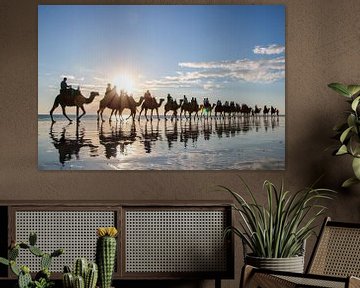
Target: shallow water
{"points": [[255, 143]]}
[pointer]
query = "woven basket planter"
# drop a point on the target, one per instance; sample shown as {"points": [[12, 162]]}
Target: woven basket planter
{"points": [[291, 264]]}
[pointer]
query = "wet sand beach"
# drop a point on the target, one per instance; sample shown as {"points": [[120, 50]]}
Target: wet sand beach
{"points": [[241, 143]]}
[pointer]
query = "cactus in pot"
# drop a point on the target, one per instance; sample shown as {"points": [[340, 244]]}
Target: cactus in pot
{"points": [[85, 275], [106, 254]]}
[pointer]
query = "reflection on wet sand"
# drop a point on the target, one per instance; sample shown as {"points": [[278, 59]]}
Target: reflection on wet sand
{"points": [[117, 138], [68, 146]]}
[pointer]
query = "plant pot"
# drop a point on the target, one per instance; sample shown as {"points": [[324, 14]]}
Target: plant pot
{"points": [[291, 264]]}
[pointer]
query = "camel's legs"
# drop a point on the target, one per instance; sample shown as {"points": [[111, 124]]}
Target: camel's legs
{"points": [[142, 108], [52, 110], [157, 113], [112, 112], [165, 114], [64, 113], [84, 112], [98, 111]]}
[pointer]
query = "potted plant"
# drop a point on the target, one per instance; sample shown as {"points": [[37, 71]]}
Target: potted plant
{"points": [[42, 278], [349, 132], [276, 233]]}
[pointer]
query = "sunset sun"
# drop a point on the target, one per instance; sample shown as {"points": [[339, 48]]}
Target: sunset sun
{"points": [[124, 82]]}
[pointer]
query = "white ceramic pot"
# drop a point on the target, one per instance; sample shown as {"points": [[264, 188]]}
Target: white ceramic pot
{"points": [[291, 264]]}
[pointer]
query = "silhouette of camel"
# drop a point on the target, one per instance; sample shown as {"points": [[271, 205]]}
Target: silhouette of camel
{"points": [[77, 100], [257, 110], [219, 108], [128, 102], [110, 101], [273, 110], [207, 109], [151, 104], [266, 110], [172, 106]]}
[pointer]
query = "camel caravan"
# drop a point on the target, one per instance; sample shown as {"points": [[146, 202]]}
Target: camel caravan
{"points": [[188, 109], [185, 108]]}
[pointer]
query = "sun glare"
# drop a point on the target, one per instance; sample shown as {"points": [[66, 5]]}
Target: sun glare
{"points": [[124, 82]]}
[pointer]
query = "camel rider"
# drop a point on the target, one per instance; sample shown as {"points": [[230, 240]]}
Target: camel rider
{"points": [[185, 99], [64, 87], [169, 98], [147, 95], [108, 88]]}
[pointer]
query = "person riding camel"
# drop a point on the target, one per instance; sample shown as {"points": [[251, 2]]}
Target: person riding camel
{"points": [[64, 87], [169, 98], [147, 96], [108, 88]]}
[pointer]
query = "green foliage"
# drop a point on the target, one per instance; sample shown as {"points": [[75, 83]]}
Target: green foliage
{"points": [[42, 278], [349, 132], [279, 229], [43, 283]]}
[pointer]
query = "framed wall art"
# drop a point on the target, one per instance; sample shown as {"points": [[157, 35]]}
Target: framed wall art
{"points": [[161, 87]]}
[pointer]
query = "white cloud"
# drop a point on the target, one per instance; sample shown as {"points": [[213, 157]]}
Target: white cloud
{"points": [[255, 71], [211, 86], [269, 50]]}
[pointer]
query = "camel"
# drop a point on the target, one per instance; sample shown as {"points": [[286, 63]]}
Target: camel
{"points": [[128, 102], [190, 107], [266, 110], [172, 106], [257, 110], [150, 103], [219, 108], [207, 109], [111, 101], [273, 110], [77, 100]]}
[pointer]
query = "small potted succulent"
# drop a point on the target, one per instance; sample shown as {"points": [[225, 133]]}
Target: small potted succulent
{"points": [[348, 132], [275, 233]]}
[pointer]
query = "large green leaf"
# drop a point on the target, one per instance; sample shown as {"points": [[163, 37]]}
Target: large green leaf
{"points": [[349, 182], [356, 167], [342, 150], [340, 88], [355, 103], [353, 89], [345, 134]]}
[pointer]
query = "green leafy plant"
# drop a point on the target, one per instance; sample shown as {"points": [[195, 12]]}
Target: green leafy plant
{"points": [[349, 132], [279, 229], [42, 278]]}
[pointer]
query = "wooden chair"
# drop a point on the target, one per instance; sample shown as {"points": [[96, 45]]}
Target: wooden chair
{"points": [[334, 263]]}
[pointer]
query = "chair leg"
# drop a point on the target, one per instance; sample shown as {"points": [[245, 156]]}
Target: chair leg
{"points": [[246, 274]]}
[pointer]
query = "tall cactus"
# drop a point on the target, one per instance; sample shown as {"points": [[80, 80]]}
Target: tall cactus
{"points": [[81, 265], [91, 276], [106, 254]]}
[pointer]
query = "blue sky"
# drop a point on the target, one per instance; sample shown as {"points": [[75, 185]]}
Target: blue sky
{"points": [[226, 52]]}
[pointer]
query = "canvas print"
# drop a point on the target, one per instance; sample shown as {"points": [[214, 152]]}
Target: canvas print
{"points": [[161, 87]]}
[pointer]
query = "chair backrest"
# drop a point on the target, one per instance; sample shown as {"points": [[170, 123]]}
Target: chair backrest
{"points": [[337, 251]]}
